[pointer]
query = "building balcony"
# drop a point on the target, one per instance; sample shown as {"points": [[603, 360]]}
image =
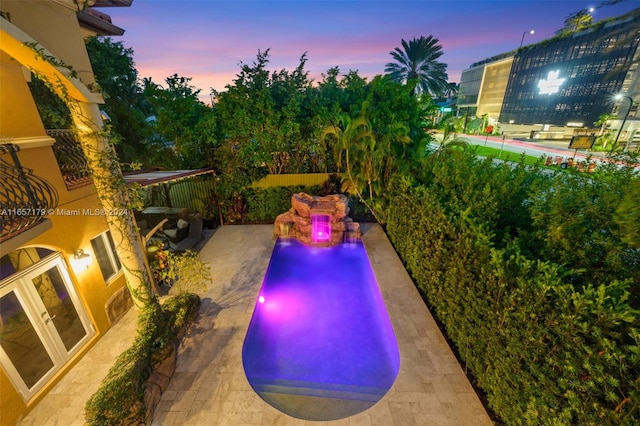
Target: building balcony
{"points": [[71, 160], [25, 199]]}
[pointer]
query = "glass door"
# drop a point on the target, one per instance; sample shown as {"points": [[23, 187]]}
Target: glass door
{"points": [[42, 324], [57, 308], [23, 351]]}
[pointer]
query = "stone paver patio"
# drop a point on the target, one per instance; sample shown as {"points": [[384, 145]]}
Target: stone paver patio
{"points": [[209, 386]]}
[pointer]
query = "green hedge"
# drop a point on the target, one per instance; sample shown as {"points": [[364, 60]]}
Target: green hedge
{"points": [[120, 398], [543, 348], [263, 205]]}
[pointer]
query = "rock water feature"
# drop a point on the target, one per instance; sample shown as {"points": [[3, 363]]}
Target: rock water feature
{"points": [[318, 221]]}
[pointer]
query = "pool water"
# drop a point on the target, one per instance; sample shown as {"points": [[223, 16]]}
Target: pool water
{"points": [[320, 344]]}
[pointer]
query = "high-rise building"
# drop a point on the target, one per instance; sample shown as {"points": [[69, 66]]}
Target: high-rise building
{"points": [[561, 84]]}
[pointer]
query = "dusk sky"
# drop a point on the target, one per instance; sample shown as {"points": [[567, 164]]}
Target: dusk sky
{"points": [[207, 39]]}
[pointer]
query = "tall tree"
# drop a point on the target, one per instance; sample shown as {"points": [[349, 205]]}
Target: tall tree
{"points": [[290, 141], [417, 63], [368, 154], [177, 113], [115, 73], [266, 116]]}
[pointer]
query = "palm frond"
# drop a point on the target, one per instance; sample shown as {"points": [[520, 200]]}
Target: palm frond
{"points": [[417, 60]]}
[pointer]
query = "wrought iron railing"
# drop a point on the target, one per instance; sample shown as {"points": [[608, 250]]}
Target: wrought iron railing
{"points": [[25, 199], [71, 159]]}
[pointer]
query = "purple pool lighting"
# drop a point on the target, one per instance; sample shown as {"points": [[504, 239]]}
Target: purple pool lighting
{"points": [[320, 228], [320, 345]]}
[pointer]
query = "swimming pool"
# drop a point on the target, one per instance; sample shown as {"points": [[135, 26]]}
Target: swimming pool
{"points": [[320, 345]]}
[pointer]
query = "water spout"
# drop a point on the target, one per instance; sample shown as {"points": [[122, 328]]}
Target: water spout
{"points": [[320, 228]]}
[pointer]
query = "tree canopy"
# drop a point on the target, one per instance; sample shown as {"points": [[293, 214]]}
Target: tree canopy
{"points": [[417, 63], [154, 125]]}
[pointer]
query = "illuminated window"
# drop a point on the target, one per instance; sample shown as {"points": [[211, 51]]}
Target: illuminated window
{"points": [[106, 255]]}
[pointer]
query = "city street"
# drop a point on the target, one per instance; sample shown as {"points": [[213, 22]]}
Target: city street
{"points": [[547, 148], [534, 149]]}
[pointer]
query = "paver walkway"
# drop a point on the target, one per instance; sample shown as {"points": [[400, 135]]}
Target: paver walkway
{"points": [[64, 404], [209, 386]]}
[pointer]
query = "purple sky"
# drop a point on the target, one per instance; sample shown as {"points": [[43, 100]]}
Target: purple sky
{"points": [[206, 39]]}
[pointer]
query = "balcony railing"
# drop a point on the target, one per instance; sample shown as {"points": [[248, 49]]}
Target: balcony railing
{"points": [[25, 199], [71, 159]]}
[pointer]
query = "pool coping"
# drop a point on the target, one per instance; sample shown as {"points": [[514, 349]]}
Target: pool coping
{"points": [[209, 386]]}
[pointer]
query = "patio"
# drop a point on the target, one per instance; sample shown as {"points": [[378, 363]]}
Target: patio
{"points": [[209, 386]]}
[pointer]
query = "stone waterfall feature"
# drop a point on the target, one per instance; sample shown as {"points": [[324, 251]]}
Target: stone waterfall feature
{"points": [[317, 221]]}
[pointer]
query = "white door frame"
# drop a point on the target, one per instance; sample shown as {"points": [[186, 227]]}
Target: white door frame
{"points": [[22, 286]]}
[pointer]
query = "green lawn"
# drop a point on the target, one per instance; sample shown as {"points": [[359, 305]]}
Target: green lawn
{"points": [[485, 151]]}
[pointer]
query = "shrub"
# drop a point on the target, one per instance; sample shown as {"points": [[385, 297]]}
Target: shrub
{"points": [[543, 349], [333, 185], [263, 205], [184, 272], [120, 398]]}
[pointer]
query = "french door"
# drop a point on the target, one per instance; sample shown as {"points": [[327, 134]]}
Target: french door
{"points": [[42, 324]]}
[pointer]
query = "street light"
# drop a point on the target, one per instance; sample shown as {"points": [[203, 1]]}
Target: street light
{"points": [[524, 34], [619, 97]]}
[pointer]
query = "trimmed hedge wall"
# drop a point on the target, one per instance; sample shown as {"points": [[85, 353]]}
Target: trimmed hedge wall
{"points": [[543, 347]]}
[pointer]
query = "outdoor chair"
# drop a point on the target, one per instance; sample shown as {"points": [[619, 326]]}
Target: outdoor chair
{"points": [[177, 233], [194, 235]]}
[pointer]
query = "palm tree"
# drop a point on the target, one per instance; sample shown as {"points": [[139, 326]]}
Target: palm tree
{"points": [[368, 158], [417, 62], [354, 145]]}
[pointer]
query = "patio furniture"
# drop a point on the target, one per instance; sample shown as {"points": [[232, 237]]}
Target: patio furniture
{"points": [[193, 237], [155, 233], [153, 215], [177, 233]]}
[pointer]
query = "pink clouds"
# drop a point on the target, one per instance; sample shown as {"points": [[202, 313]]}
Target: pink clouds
{"points": [[205, 40]]}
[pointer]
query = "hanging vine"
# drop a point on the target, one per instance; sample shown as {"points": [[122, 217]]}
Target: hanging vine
{"points": [[117, 198]]}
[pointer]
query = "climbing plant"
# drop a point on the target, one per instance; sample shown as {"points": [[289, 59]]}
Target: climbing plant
{"points": [[116, 197]]}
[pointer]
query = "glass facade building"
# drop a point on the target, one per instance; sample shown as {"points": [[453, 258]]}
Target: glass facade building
{"points": [[571, 80], [470, 82]]}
